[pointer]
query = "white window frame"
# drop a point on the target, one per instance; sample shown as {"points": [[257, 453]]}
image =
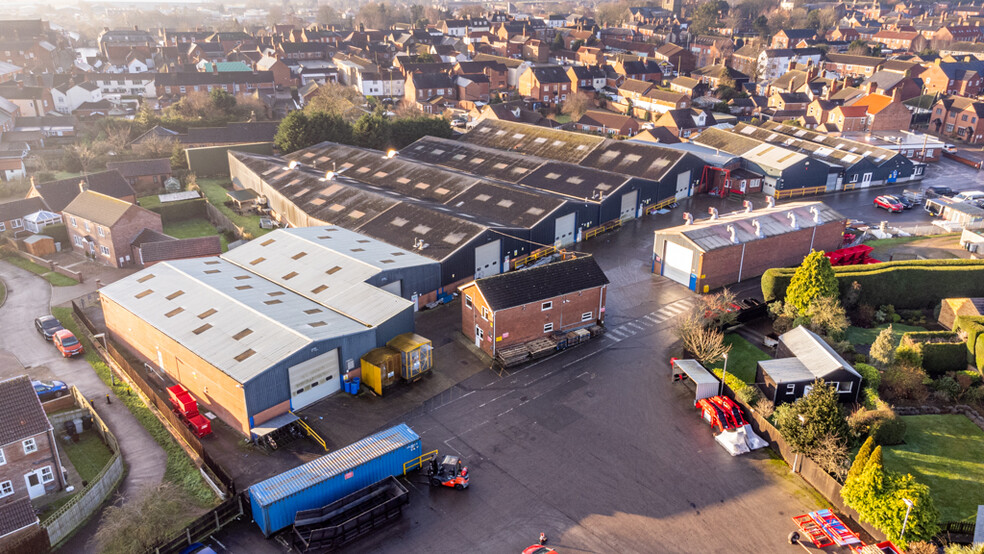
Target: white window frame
{"points": [[86, 225], [791, 388], [17, 223], [47, 475], [3, 458], [2, 226], [548, 327], [30, 446], [104, 250], [587, 316], [101, 230], [846, 387], [468, 301], [548, 305], [74, 224], [485, 313], [6, 489]]}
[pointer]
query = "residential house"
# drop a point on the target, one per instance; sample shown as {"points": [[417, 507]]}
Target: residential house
{"points": [[847, 119], [600, 121], [496, 71], [12, 213], [683, 60], [281, 72], [964, 78], [772, 63], [69, 97], [885, 113], [693, 88], [640, 69], [471, 90], [145, 176], [515, 112], [849, 65], [746, 60], [789, 38], [172, 86], [536, 50], [590, 55], [686, 122], [585, 78], [521, 306], [59, 194], [788, 105], [547, 83], [31, 463], [818, 112], [32, 101], [714, 75], [12, 166], [889, 83], [845, 34], [949, 34], [960, 50], [959, 117], [105, 227], [911, 41], [802, 358], [427, 90]]}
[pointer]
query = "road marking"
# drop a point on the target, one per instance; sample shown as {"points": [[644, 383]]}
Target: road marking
{"points": [[618, 332], [651, 318], [637, 325]]}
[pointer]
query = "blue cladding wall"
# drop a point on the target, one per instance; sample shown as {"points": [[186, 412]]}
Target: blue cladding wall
{"points": [[277, 500]]}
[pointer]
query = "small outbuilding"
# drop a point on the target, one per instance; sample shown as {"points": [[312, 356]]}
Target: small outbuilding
{"points": [[39, 245], [952, 308], [802, 358], [522, 306]]}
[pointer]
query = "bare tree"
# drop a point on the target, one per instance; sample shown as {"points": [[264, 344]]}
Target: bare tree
{"points": [[118, 137], [577, 104], [832, 455], [155, 146], [337, 99], [142, 522], [705, 343], [86, 154]]}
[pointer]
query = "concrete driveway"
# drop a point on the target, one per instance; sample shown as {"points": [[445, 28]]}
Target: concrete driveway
{"points": [[23, 350]]}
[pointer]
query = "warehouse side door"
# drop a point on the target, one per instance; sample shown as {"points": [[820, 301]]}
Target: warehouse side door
{"points": [[683, 185], [396, 287], [564, 230], [313, 379], [487, 259], [677, 263]]}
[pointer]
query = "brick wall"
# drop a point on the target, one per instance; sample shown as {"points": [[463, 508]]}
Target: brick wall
{"points": [[893, 117], [524, 323], [211, 387], [20, 464], [118, 238]]}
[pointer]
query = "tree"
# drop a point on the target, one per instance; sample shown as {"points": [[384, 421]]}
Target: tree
{"points": [[155, 146], [814, 278], [558, 42], [143, 522], [328, 15], [857, 468], [612, 14], [707, 15], [761, 26], [84, 155], [827, 317], [704, 343], [221, 100], [293, 133], [338, 99], [178, 158], [577, 104], [373, 131], [811, 418], [832, 455], [425, 57], [882, 352]]}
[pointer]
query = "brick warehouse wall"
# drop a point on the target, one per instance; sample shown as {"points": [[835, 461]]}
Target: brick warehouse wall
{"points": [[212, 388], [719, 268], [525, 323]]}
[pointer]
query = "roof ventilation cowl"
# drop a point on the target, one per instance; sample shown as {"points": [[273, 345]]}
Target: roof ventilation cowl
{"points": [[734, 234], [688, 218], [748, 206], [792, 220], [713, 211], [770, 201]]}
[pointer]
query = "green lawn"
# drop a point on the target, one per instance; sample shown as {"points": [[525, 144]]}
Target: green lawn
{"points": [[860, 335], [945, 452], [742, 359], [59, 175], [56, 279], [149, 201], [216, 194], [193, 228], [89, 455]]}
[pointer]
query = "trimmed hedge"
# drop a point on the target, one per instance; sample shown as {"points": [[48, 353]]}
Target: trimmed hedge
{"points": [[949, 354], [870, 375], [979, 349], [910, 284], [59, 232], [182, 210], [974, 327]]}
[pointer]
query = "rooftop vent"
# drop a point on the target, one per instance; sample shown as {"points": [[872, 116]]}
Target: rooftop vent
{"points": [[792, 220], [770, 201], [713, 211], [688, 218], [734, 234], [758, 228], [748, 206]]}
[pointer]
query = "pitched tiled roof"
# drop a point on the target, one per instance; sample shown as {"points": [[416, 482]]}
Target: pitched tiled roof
{"points": [[873, 102], [99, 208], [177, 249], [19, 208], [16, 515], [21, 414], [58, 194], [538, 283]]}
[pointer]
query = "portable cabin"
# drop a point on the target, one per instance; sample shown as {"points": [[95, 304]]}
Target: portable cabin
{"points": [[381, 367], [416, 355]]}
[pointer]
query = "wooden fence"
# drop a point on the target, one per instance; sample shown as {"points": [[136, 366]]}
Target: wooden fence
{"points": [[203, 527]]}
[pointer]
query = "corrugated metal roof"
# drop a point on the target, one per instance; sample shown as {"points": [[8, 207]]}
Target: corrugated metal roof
{"points": [[875, 153], [235, 320], [323, 265], [709, 234], [697, 372], [787, 370], [332, 464], [814, 352]]}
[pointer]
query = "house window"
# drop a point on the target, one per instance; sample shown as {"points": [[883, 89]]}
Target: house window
{"points": [[17, 223], [86, 224], [485, 313], [30, 446], [3, 459], [586, 316], [791, 389], [102, 231], [468, 302], [949, 127], [548, 327], [546, 306], [6, 489], [3, 226], [104, 250], [47, 475], [846, 387]]}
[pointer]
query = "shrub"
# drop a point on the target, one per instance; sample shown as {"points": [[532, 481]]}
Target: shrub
{"points": [[906, 284], [888, 430], [948, 387], [882, 351], [765, 407], [871, 375], [860, 358], [920, 547], [906, 355], [814, 278], [941, 351], [973, 326], [749, 395], [870, 399], [865, 316], [904, 382]]}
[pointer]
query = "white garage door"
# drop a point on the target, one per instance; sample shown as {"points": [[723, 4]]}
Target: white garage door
{"points": [[487, 260], [396, 287], [313, 379], [832, 182], [564, 230], [629, 201], [677, 263], [683, 186]]}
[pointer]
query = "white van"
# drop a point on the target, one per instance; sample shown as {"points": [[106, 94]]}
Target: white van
{"points": [[969, 196]]}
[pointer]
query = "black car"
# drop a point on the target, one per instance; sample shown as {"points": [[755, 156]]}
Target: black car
{"points": [[935, 191], [47, 325], [906, 203]]}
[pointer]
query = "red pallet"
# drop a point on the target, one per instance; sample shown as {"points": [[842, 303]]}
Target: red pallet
{"points": [[813, 531]]}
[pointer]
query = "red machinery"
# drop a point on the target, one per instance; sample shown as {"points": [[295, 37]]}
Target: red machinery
{"points": [[186, 407], [826, 529], [853, 255], [721, 412]]}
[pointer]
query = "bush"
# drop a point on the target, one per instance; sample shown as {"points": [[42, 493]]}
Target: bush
{"points": [[941, 351], [906, 284], [974, 327], [888, 430], [748, 395], [58, 232], [948, 387], [765, 407], [904, 382], [865, 316], [908, 356], [870, 374], [870, 399]]}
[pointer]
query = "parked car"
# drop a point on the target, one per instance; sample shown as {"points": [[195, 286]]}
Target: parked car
{"points": [[67, 344], [906, 203], [949, 149], [969, 196], [936, 190], [49, 390], [198, 548], [889, 203], [47, 325]]}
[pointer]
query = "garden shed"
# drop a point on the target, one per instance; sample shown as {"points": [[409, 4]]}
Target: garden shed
{"points": [[802, 358], [39, 245], [41, 219]]}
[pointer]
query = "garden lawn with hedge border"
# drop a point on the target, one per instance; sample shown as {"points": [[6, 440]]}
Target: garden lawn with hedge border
{"points": [[860, 335], [742, 359], [945, 452], [216, 195], [194, 228]]}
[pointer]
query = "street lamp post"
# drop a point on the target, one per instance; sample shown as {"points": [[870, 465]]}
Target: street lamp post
{"points": [[908, 508], [724, 373]]}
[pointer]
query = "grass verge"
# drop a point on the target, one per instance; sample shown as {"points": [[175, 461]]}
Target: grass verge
{"points": [[56, 279], [89, 455], [216, 195], [742, 359], [945, 452], [180, 470], [894, 241], [193, 228], [3, 293], [860, 335]]}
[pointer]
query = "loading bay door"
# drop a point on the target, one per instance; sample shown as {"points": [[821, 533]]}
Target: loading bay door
{"points": [[487, 260], [564, 230], [677, 263], [313, 379]]}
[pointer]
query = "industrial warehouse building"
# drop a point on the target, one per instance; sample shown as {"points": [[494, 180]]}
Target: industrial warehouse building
{"points": [[522, 306], [715, 252], [273, 325]]}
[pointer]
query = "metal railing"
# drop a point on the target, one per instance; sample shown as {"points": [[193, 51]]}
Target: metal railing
{"points": [[418, 461], [805, 191], [204, 526], [603, 228], [533, 256], [307, 428]]}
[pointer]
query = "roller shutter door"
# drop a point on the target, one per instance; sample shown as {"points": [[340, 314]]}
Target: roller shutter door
{"points": [[313, 379], [564, 230], [629, 201], [683, 186], [396, 287], [487, 260], [677, 263]]}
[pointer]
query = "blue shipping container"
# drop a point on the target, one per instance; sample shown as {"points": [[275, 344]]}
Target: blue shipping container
{"points": [[277, 500]]}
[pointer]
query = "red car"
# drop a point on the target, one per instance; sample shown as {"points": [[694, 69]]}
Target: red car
{"points": [[889, 203], [66, 343]]}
